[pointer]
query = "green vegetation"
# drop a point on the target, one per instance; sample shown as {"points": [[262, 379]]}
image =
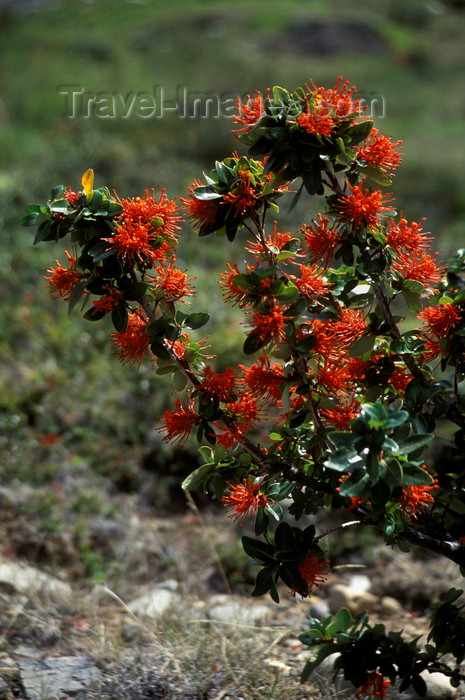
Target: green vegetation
{"points": [[65, 405]]}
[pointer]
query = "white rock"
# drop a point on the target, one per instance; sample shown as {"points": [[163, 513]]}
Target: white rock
{"points": [[31, 581], [390, 606], [342, 596], [155, 603], [237, 612], [438, 686]]}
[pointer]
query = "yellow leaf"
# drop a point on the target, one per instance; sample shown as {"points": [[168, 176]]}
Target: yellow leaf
{"points": [[88, 182]]}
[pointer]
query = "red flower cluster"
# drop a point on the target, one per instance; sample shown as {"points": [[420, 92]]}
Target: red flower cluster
{"points": [[62, 280], [375, 686], [245, 498]]}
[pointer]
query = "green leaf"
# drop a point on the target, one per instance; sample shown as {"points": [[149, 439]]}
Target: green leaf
{"points": [[412, 300], [284, 537], [419, 685], [199, 478], [457, 506], [119, 318], [206, 193], [414, 443], [196, 320], [357, 133], [311, 665], [260, 551], [339, 459], [343, 619], [76, 294], [375, 174], [352, 489], [136, 291], [29, 219], [264, 582], [393, 473], [101, 250], [179, 380], [362, 345], [253, 343]]}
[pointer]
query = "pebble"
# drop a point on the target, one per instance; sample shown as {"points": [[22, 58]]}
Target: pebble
{"points": [[155, 603], [224, 608], [343, 596], [438, 688], [57, 676], [31, 581]]}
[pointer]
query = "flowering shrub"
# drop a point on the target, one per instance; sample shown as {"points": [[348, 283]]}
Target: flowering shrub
{"points": [[353, 358]]}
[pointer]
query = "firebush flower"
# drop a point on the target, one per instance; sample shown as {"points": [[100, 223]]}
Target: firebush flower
{"points": [[243, 197], [163, 214], [321, 239], [200, 211], [364, 207], [177, 424], [131, 345], [380, 151], [220, 384], [173, 283], [62, 280], [440, 319], [375, 686], [420, 267], [310, 283], [313, 573], [413, 499], [403, 236], [263, 378], [250, 112], [269, 326], [245, 498]]}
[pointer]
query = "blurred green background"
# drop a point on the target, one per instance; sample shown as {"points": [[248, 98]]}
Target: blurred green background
{"points": [[63, 398]]}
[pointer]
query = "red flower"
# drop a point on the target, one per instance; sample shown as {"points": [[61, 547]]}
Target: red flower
{"points": [[333, 377], [313, 573], [108, 302], [364, 207], [311, 123], [380, 151], [350, 326], [375, 685], [173, 283], [250, 112], [274, 243], [413, 499], [63, 280], [264, 378], [178, 423], [232, 291], [341, 415], [245, 498], [162, 215], [420, 267], [338, 102], [132, 344], [402, 235], [243, 196], [72, 197], [269, 326], [134, 241], [311, 284], [220, 385], [321, 241], [245, 409], [202, 212], [440, 319]]}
